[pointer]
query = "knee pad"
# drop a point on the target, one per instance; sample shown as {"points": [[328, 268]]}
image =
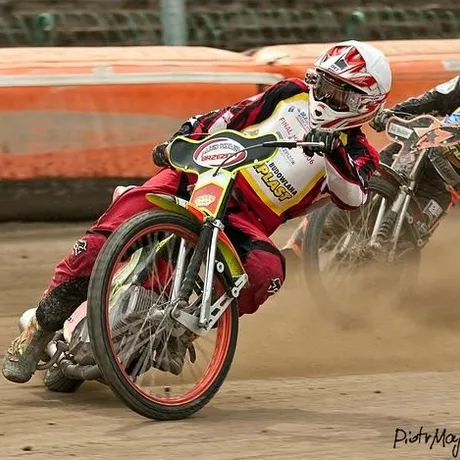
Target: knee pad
{"points": [[59, 303]]}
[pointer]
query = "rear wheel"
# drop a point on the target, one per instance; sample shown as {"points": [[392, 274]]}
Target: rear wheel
{"points": [[136, 342], [345, 279], [56, 381]]}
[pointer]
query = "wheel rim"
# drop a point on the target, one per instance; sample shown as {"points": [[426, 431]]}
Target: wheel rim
{"points": [[222, 333]]}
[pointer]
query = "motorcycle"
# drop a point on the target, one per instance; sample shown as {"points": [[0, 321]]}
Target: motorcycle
{"points": [[166, 280], [378, 246]]}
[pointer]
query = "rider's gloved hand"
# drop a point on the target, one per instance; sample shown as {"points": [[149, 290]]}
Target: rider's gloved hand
{"points": [[331, 140], [160, 155], [379, 122]]}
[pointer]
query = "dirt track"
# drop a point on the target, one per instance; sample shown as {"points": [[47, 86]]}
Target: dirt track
{"points": [[301, 387]]}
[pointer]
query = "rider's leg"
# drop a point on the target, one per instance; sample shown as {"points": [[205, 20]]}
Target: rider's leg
{"points": [[295, 241], [69, 283], [386, 155], [263, 262]]}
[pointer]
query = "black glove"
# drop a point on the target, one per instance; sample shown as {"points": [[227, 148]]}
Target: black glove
{"points": [[379, 122], [329, 138], [160, 156], [159, 153]]}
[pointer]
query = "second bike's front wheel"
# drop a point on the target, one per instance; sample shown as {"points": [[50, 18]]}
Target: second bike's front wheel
{"points": [[156, 366], [344, 277]]}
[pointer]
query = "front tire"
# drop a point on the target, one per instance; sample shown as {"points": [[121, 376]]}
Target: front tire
{"points": [[134, 231], [330, 221]]}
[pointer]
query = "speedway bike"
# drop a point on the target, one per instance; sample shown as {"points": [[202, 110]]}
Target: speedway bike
{"points": [[351, 257], [165, 288]]}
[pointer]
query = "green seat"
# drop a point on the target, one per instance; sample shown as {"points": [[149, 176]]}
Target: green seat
{"points": [[44, 32]]}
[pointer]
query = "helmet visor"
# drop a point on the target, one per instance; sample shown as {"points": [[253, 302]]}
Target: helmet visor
{"points": [[336, 94]]}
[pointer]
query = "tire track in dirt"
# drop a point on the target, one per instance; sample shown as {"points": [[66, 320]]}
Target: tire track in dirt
{"points": [[301, 387]]}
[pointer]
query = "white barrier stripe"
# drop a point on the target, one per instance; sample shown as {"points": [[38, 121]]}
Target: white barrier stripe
{"points": [[105, 78]]}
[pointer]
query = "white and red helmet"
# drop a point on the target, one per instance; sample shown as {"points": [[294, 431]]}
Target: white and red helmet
{"points": [[350, 85]]}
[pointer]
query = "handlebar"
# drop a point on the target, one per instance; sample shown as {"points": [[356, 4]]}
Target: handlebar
{"points": [[293, 144], [285, 144], [281, 143], [404, 115]]}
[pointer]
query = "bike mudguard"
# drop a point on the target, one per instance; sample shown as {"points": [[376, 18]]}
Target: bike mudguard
{"points": [[184, 208], [394, 178]]}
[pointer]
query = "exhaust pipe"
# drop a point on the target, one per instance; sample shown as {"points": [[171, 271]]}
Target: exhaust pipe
{"points": [[78, 372], [68, 368]]}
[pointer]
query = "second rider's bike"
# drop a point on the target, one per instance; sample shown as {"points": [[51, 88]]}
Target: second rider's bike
{"points": [[351, 255]]}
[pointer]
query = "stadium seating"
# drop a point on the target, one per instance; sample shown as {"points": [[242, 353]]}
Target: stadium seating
{"points": [[236, 25]]}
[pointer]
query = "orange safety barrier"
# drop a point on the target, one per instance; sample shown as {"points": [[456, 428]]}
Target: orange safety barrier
{"points": [[97, 112]]}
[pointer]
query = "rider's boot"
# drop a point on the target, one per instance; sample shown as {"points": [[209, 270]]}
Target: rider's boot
{"points": [[25, 352], [294, 244]]}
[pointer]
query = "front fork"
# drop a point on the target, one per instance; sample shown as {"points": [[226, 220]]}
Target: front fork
{"points": [[185, 279], [391, 222], [181, 290], [209, 276], [388, 225]]}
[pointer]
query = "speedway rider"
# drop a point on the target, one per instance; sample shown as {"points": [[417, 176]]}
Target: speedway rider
{"points": [[432, 193], [349, 85]]}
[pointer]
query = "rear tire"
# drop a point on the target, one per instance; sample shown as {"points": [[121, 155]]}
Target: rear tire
{"points": [[56, 381], [97, 322]]}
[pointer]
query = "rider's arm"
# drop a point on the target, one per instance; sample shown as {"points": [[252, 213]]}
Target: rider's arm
{"points": [[440, 100], [237, 116], [348, 170], [244, 113]]}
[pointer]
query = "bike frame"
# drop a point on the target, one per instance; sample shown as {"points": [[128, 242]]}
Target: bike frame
{"points": [[207, 206]]}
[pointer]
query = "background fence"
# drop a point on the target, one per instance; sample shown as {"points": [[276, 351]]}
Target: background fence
{"points": [[235, 25]]}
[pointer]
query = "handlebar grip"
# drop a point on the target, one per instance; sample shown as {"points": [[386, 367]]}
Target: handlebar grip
{"points": [[319, 145]]}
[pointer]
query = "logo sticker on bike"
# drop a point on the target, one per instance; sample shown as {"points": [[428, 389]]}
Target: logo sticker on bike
{"points": [[453, 118], [214, 152], [400, 131], [441, 136], [204, 200]]}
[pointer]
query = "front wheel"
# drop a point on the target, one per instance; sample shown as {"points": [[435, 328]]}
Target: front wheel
{"points": [[156, 366], [346, 279]]}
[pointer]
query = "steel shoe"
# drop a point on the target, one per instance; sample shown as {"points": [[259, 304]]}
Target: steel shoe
{"points": [[25, 352]]}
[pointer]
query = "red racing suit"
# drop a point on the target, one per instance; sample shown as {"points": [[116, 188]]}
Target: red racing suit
{"points": [[265, 196]]}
